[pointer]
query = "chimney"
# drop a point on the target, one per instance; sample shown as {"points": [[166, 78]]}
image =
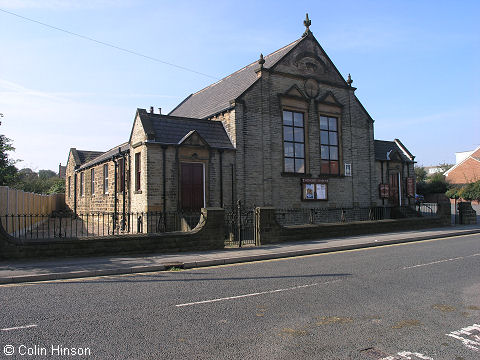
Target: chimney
{"points": [[151, 109], [160, 111]]}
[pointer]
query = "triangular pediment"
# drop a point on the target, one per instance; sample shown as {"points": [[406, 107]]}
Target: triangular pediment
{"points": [[294, 91], [193, 138], [309, 59], [394, 155], [329, 99]]}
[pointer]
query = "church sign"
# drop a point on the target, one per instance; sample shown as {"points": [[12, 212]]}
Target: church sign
{"points": [[314, 189]]}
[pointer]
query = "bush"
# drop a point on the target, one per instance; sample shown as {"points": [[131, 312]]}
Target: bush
{"points": [[453, 192], [435, 184], [471, 191]]}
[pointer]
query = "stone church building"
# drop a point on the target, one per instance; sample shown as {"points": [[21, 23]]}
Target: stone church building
{"points": [[284, 131]]}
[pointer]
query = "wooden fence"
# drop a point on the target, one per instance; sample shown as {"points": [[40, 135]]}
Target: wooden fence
{"points": [[17, 202]]}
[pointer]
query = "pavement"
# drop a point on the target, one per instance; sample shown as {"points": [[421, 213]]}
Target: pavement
{"points": [[71, 268]]}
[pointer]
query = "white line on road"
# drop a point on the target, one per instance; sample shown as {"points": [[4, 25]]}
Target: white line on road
{"points": [[469, 336], [440, 261], [20, 327], [257, 293], [408, 355]]}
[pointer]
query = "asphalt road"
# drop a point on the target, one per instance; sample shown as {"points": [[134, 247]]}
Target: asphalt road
{"points": [[412, 301]]}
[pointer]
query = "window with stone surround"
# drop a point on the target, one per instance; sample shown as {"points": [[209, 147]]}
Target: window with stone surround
{"points": [[92, 181], [329, 151], [105, 178], [69, 184], [293, 142], [82, 179], [138, 171]]}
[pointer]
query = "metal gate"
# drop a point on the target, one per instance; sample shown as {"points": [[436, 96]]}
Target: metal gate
{"points": [[240, 226]]}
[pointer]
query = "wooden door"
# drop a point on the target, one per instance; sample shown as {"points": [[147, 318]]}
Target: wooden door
{"points": [[192, 186], [394, 189]]}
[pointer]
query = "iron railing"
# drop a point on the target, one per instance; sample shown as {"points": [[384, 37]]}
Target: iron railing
{"points": [[300, 216], [97, 224], [240, 226], [427, 209]]}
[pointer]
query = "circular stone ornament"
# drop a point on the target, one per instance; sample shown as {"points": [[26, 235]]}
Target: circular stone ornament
{"points": [[311, 88]]}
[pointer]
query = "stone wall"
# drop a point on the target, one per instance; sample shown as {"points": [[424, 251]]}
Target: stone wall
{"points": [[208, 235], [467, 215], [269, 231], [228, 120]]}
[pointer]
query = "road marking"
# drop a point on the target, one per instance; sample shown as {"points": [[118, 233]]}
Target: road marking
{"points": [[20, 327], [257, 293], [440, 261], [470, 336], [408, 355]]}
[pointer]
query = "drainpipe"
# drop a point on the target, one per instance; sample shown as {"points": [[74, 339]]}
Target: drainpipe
{"points": [[399, 189], [75, 193], [115, 196], [233, 186], [164, 187], [124, 190], [381, 171], [221, 177]]}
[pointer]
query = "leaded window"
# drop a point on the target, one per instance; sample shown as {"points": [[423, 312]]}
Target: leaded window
{"points": [[293, 142], [329, 145]]}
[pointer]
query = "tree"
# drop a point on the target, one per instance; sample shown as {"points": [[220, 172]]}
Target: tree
{"points": [[46, 174], [8, 171], [437, 183], [420, 174], [43, 182], [471, 191], [58, 186], [454, 192], [433, 184]]}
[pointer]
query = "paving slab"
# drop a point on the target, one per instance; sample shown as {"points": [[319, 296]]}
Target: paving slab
{"points": [[71, 268]]}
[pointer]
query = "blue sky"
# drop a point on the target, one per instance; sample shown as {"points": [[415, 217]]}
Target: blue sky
{"points": [[415, 63]]}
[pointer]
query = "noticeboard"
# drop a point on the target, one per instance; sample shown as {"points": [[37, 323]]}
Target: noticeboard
{"points": [[314, 189]]}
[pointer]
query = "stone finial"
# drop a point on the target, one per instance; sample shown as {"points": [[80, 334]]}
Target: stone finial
{"points": [[261, 61], [349, 80], [307, 22]]}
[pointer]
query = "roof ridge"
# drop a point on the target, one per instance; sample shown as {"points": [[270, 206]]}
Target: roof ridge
{"points": [[115, 147], [90, 151], [159, 116]]}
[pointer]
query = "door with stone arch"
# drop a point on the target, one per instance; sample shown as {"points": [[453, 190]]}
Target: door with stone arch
{"points": [[394, 189], [192, 186]]}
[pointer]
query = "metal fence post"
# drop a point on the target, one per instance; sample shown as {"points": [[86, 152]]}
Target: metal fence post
{"points": [[239, 223]]}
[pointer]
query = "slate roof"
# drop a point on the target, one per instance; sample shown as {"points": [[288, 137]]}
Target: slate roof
{"points": [[171, 130], [382, 148], [105, 156], [217, 97], [86, 155]]}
